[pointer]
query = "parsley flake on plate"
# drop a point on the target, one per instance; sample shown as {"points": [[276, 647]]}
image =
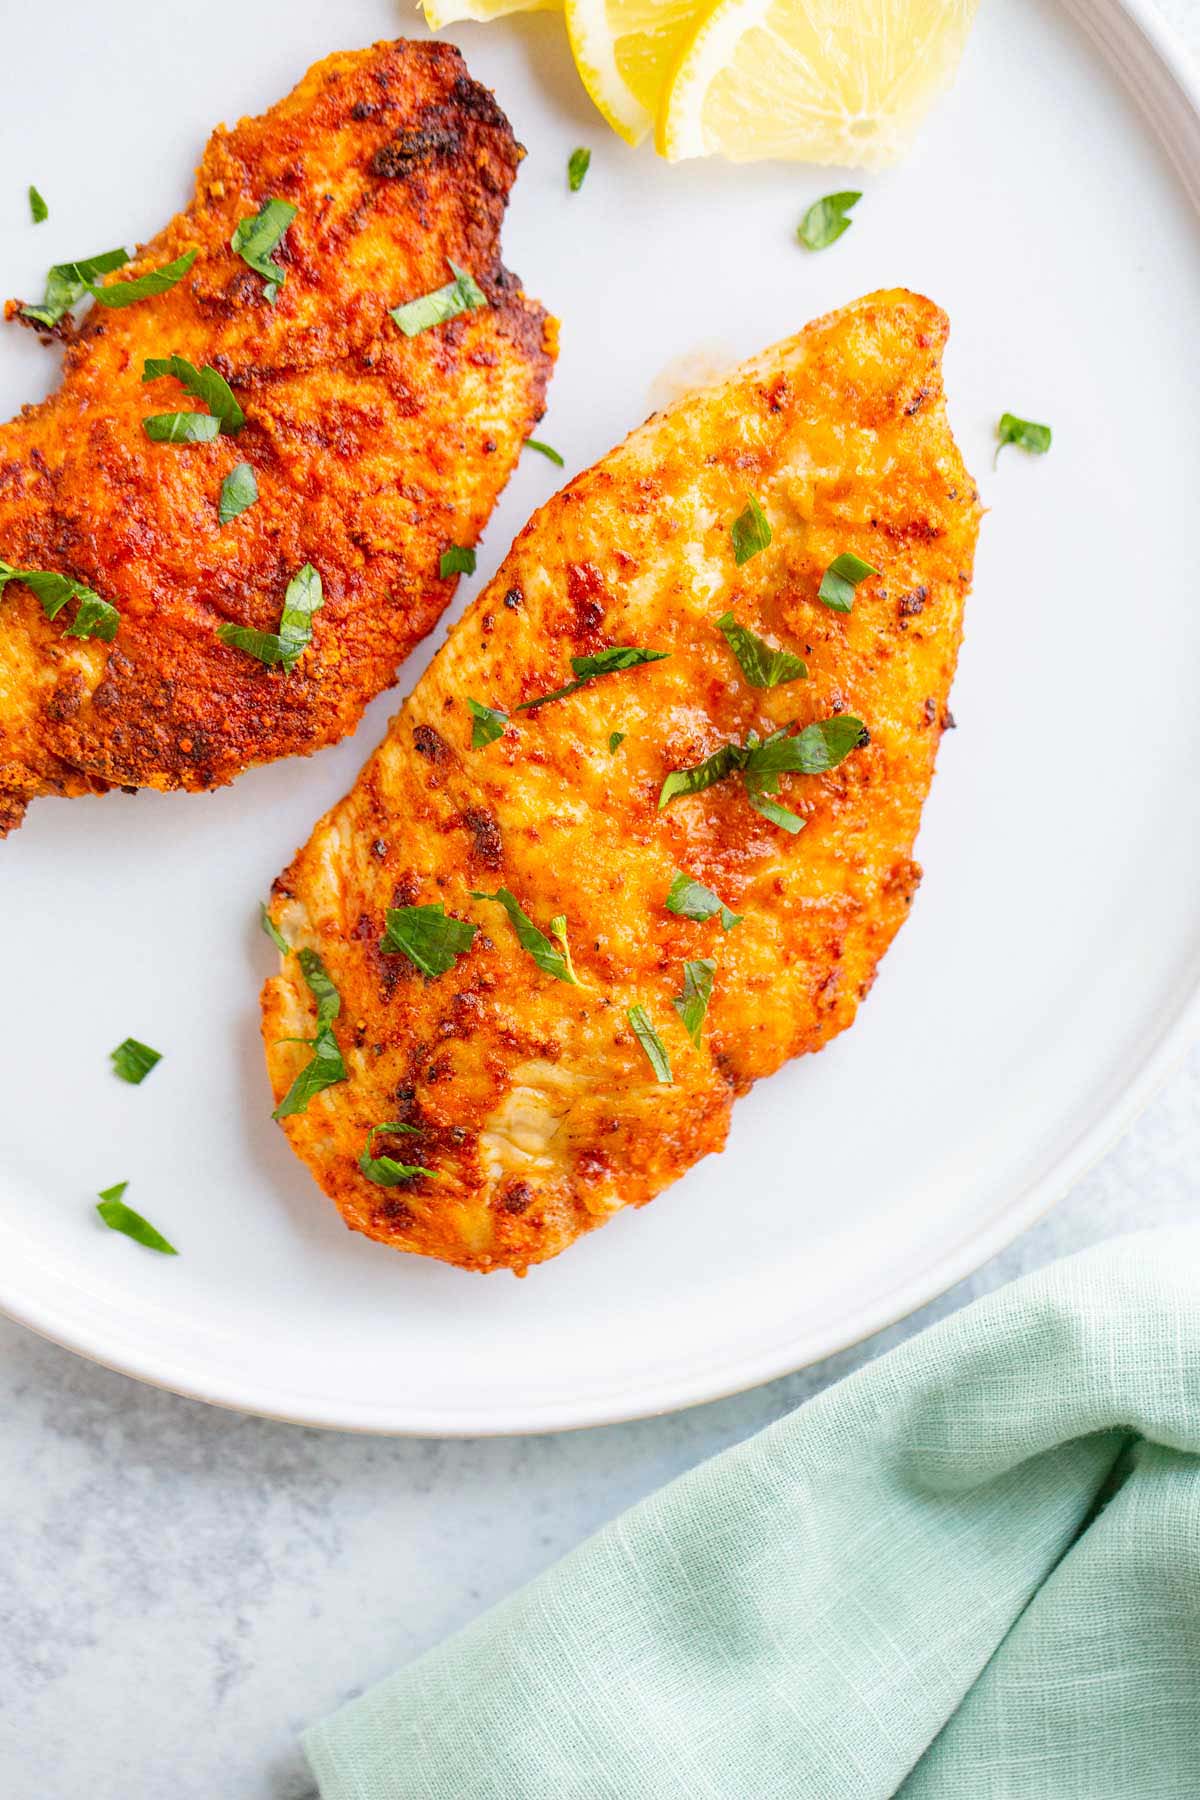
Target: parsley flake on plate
{"points": [[133, 1061], [825, 220], [458, 559], [1023, 433], [546, 450], [119, 1217]]}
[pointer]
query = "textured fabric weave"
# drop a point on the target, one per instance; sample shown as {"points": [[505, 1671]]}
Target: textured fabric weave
{"points": [[971, 1571]]}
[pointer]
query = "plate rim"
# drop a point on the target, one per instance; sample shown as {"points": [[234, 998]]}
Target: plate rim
{"points": [[1153, 66]]}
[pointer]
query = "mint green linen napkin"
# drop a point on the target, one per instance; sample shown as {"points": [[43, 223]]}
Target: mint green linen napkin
{"points": [[971, 1569]]}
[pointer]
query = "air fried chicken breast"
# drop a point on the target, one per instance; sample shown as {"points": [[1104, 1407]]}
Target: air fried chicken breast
{"points": [[373, 451], [538, 1108]]}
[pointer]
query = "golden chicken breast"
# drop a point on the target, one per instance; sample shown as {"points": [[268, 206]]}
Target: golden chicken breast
{"points": [[644, 829], [225, 530]]}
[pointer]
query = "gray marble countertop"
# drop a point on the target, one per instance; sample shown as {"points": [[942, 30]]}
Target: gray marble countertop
{"points": [[184, 1590]]}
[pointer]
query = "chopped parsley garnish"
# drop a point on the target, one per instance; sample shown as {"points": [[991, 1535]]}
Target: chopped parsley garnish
{"points": [[203, 384], [750, 532], [761, 761], [819, 747], [840, 580], [690, 899], [181, 428], [615, 740], [651, 1043], [255, 239], [304, 597], [94, 617], [239, 491], [38, 210], [1023, 433], [324, 1070], [825, 220], [463, 294], [329, 1001], [692, 1004], [487, 724], [326, 1065], [548, 959], [133, 1061], [457, 560], [605, 662], [385, 1171], [761, 664], [67, 283], [546, 450], [714, 768], [119, 1217], [272, 930], [771, 810], [427, 937], [144, 287], [578, 164]]}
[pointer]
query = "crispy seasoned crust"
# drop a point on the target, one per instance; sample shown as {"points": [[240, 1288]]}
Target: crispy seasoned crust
{"points": [[372, 451], [537, 1110]]}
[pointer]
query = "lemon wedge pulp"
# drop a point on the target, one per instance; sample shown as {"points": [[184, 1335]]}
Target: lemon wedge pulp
{"points": [[440, 13], [625, 50], [820, 81]]}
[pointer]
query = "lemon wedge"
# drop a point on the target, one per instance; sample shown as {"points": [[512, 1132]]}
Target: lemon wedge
{"points": [[820, 81], [440, 13], [624, 51]]}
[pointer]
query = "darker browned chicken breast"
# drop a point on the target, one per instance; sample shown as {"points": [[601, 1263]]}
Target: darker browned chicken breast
{"points": [[372, 451]]}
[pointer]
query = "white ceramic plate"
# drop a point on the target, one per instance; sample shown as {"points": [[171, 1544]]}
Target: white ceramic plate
{"points": [[1049, 968]]}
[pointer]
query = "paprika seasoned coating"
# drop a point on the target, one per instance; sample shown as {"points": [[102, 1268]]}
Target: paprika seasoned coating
{"points": [[536, 1104], [373, 451]]}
